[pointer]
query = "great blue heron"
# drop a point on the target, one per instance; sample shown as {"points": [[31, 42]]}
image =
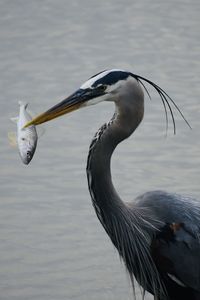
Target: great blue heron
{"points": [[157, 235]]}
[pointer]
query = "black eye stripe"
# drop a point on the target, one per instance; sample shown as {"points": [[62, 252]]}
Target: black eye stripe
{"points": [[111, 78]]}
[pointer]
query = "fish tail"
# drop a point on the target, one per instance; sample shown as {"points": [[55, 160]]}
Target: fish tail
{"points": [[22, 103]]}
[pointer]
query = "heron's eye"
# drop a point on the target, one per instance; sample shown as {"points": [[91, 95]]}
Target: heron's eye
{"points": [[23, 139], [102, 87]]}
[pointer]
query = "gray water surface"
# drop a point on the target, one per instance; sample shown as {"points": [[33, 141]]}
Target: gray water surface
{"points": [[51, 244]]}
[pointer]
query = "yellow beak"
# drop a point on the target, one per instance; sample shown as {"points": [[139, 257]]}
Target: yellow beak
{"points": [[73, 102]]}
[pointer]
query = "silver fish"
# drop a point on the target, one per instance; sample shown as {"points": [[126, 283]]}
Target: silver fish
{"points": [[26, 137]]}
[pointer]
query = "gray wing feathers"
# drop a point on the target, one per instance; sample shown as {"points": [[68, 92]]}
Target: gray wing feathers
{"points": [[176, 247]]}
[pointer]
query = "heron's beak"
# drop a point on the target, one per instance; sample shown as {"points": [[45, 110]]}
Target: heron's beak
{"points": [[73, 102]]}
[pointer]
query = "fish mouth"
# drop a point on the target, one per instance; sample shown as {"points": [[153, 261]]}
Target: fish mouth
{"points": [[28, 155], [71, 103], [26, 159]]}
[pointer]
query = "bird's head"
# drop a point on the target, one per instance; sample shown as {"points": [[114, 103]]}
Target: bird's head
{"points": [[104, 86], [109, 85]]}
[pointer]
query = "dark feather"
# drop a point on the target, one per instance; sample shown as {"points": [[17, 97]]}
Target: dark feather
{"points": [[165, 100]]}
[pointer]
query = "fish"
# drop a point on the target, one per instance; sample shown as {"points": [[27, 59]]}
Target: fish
{"points": [[26, 138]]}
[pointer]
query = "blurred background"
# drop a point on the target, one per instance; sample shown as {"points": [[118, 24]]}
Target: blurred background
{"points": [[51, 244]]}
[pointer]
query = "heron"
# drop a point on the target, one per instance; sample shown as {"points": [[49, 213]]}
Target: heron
{"points": [[158, 234]]}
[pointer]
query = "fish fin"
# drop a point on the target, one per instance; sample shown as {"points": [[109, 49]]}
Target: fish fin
{"points": [[30, 112], [12, 138], [40, 130], [14, 120]]}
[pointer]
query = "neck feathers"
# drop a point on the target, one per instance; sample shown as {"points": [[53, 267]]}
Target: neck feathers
{"points": [[128, 229], [105, 199]]}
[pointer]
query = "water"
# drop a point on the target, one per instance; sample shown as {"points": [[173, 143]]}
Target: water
{"points": [[51, 243]]}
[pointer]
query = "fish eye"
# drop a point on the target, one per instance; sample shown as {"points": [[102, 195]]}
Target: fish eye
{"points": [[28, 153], [23, 139]]}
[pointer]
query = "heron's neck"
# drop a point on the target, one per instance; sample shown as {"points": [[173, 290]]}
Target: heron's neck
{"points": [[128, 229], [106, 201]]}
